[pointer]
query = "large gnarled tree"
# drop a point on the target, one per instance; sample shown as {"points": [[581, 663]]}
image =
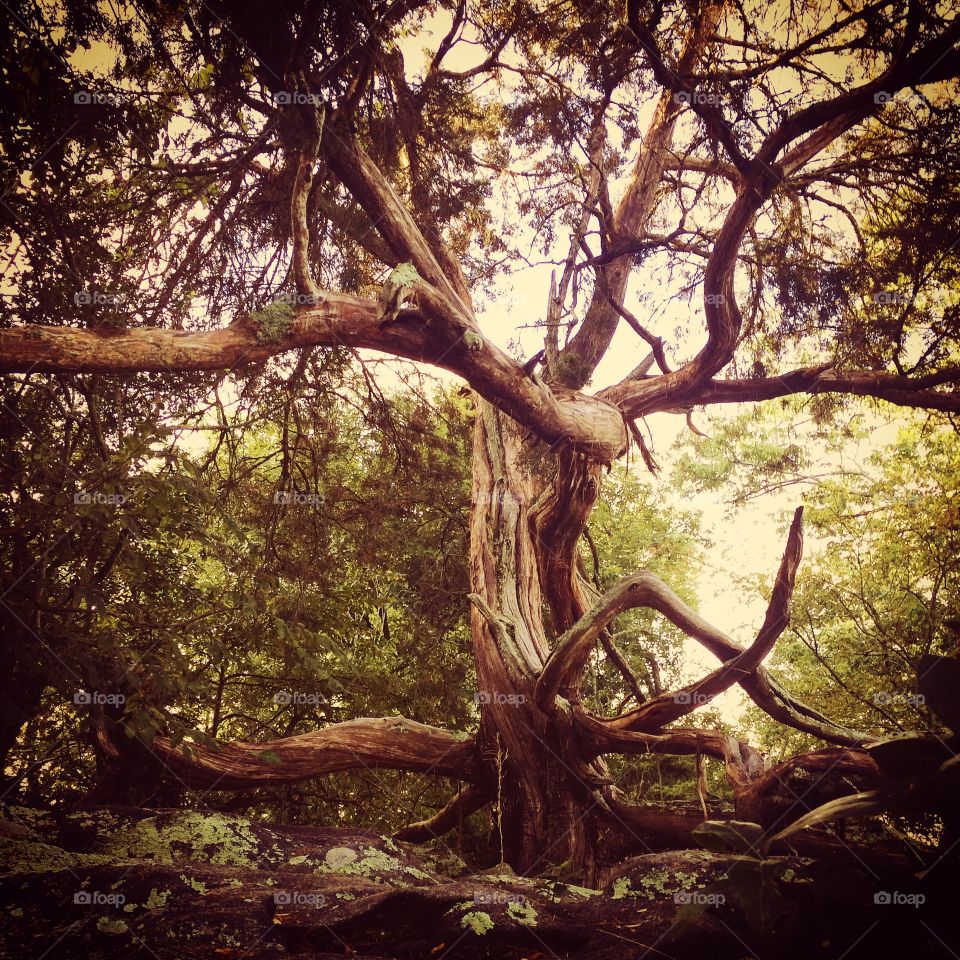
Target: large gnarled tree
{"points": [[728, 147]]}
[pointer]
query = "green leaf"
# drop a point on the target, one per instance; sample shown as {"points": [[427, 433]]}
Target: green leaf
{"points": [[853, 805]]}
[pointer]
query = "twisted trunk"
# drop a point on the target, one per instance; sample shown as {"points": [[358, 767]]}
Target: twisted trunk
{"points": [[529, 506]]}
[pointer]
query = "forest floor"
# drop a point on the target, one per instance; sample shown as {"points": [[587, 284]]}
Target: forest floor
{"points": [[114, 882]]}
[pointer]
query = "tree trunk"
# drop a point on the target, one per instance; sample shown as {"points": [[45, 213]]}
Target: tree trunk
{"points": [[529, 506]]}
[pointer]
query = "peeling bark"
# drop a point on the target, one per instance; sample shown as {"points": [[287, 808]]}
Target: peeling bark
{"points": [[393, 742]]}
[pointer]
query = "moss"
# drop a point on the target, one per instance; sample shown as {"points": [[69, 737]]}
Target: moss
{"points": [[654, 883], [29, 856], [157, 899], [198, 885], [38, 819], [372, 862], [477, 921], [572, 371], [522, 913], [473, 341], [582, 891], [106, 925], [209, 838], [621, 889], [398, 291], [273, 322]]}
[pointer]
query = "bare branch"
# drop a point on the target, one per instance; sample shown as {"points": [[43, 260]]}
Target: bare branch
{"points": [[633, 214], [565, 664], [464, 803], [668, 707], [371, 742], [390, 216], [299, 227]]}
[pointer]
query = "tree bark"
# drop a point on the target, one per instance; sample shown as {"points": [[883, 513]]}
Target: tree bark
{"points": [[530, 503]]}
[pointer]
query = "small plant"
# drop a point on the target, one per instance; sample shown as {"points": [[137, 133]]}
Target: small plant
{"points": [[273, 322]]}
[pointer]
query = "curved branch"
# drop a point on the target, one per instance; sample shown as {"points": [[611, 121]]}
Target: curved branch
{"points": [[372, 742], [563, 667], [468, 800], [668, 707], [339, 319]]}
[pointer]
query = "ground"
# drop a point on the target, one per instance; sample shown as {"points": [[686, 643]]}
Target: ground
{"points": [[134, 883]]}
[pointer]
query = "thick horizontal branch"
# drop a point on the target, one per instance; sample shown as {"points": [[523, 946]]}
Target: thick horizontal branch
{"points": [[662, 393], [587, 424], [607, 736], [663, 828], [899, 390], [773, 798], [374, 742]]}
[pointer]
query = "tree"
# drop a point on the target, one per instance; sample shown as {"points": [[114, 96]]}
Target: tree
{"points": [[222, 158]]}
